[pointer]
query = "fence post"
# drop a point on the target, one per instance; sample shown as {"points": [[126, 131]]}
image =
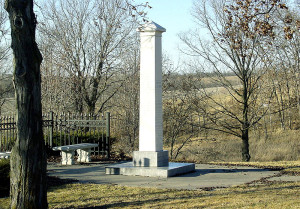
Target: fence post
{"points": [[108, 134], [6, 130], [51, 129]]}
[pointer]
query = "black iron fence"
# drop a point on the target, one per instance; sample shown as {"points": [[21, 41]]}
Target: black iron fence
{"points": [[64, 129]]}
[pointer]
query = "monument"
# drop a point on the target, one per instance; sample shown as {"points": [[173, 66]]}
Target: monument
{"points": [[151, 159]]}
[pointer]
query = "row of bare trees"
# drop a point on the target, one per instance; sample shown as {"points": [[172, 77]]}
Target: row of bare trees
{"points": [[90, 64], [83, 44], [241, 39], [87, 46], [251, 39]]}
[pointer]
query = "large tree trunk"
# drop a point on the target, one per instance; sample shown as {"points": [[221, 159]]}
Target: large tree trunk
{"points": [[28, 160], [245, 146], [245, 126]]}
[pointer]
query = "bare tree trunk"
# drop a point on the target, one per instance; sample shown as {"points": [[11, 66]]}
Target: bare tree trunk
{"points": [[28, 160], [281, 108], [266, 128], [245, 146], [245, 127], [78, 100]]}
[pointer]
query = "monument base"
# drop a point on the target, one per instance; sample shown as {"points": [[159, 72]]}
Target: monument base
{"points": [[150, 158], [173, 169]]}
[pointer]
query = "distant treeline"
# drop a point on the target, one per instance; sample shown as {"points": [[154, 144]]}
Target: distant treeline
{"points": [[207, 79]]}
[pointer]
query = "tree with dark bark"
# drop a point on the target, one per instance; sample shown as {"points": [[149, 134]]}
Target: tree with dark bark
{"points": [[239, 32], [28, 158]]}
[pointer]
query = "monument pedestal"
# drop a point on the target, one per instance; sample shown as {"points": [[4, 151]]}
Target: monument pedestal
{"points": [[151, 164], [128, 169], [150, 158]]}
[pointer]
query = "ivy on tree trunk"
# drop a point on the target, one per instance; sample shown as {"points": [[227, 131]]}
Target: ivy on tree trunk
{"points": [[28, 159]]}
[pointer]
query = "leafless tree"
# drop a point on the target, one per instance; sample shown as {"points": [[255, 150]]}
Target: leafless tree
{"points": [[28, 186], [5, 71], [90, 40], [181, 106], [125, 104], [284, 69], [56, 86], [237, 33]]}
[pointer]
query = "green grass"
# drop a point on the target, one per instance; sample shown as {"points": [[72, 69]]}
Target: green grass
{"points": [[277, 195]]}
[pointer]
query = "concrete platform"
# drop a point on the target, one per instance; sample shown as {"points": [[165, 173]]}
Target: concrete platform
{"points": [[205, 176], [128, 169]]}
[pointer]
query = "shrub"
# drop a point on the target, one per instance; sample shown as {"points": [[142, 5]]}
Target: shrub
{"points": [[76, 136], [4, 177]]}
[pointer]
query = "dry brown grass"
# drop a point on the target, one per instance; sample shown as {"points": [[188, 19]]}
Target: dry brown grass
{"points": [[277, 195], [211, 149], [280, 146]]}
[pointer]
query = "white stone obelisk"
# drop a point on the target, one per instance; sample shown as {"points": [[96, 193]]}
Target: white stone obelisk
{"points": [[151, 153], [151, 128]]}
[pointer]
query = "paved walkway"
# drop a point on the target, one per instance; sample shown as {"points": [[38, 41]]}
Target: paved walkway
{"points": [[204, 177]]}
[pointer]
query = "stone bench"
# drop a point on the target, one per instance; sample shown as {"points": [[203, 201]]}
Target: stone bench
{"points": [[5, 155], [67, 152]]}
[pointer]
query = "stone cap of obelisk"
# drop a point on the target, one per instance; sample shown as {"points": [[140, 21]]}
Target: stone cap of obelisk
{"points": [[151, 27]]}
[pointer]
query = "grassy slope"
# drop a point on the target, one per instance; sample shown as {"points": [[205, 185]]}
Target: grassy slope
{"points": [[280, 146]]}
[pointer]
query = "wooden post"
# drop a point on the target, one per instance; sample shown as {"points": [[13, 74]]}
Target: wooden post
{"points": [[6, 131]]}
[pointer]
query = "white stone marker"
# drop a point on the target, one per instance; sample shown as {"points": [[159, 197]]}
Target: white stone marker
{"points": [[151, 131], [151, 128], [151, 159]]}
